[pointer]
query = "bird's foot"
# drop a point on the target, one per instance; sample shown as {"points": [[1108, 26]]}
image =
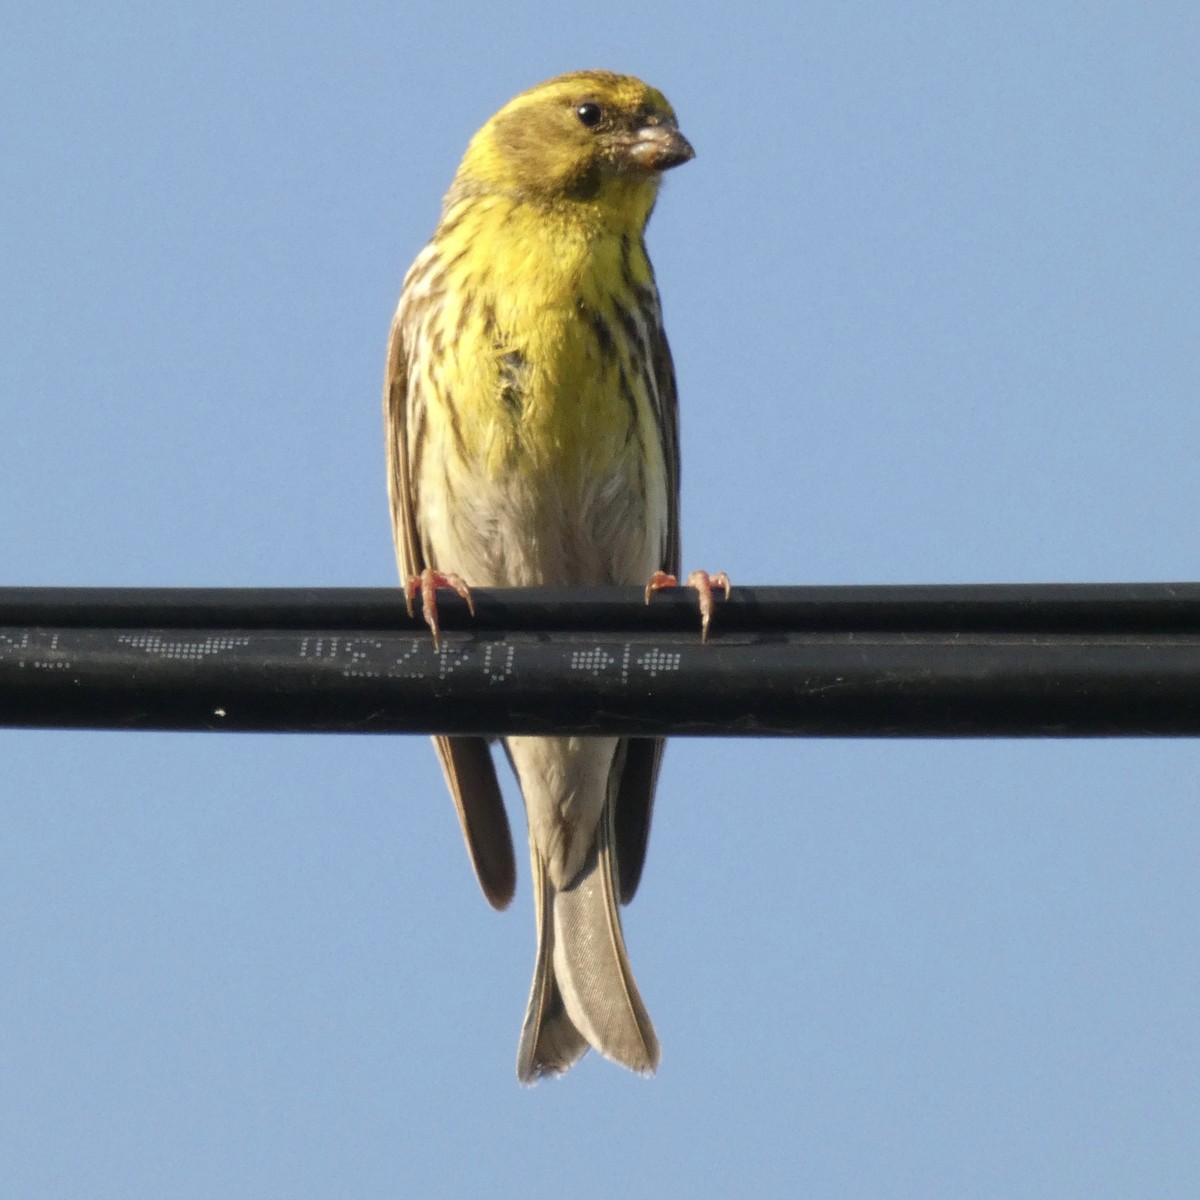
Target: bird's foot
{"points": [[703, 583], [427, 583]]}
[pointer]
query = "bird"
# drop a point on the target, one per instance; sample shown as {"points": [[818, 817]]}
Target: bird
{"points": [[531, 422]]}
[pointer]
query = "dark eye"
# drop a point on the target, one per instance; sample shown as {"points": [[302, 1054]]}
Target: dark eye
{"points": [[590, 114]]}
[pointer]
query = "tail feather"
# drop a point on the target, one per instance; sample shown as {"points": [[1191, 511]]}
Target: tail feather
{"points": [[550, 1043], [583, 988]]}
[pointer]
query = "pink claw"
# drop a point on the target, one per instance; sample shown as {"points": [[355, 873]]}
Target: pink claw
{"points": [[703, 583], [427, 583]]}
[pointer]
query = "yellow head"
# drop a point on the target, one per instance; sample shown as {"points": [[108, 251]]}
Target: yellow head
{"points": [[590, 141]]}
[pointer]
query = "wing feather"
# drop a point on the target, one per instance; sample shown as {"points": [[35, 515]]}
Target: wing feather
{"points": [[643, 756], [466, 761]]}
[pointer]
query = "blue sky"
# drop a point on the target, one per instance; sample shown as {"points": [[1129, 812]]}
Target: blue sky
{"points": [[931, 288]]}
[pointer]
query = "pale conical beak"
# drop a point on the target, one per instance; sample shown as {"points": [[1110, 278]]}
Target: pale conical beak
{"points": [[659, 147]]}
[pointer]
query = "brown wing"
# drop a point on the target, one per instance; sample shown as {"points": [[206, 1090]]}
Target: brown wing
{"points": [[466, 761], [643, 756]]}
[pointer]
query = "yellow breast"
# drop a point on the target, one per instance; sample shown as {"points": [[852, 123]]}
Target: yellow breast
{"points": [[540, 310], [541, 350]]}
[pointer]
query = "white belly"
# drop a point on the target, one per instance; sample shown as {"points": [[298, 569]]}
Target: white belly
{"points": [[518, 532]]}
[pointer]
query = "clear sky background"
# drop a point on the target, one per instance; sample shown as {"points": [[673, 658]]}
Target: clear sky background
{"points": [[931, 284]]}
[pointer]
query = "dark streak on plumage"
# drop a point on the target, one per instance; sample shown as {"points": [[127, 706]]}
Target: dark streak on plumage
{"points": [[630, 397], [419, 271], [416, 451], [512, 367], [631, 329], [603, 335], [437, 346], [435, 288], [464, 316], [627, 264], [455, 423]]}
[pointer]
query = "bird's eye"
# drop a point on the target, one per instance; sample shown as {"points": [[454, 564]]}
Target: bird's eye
{"points": [[590, 114]]}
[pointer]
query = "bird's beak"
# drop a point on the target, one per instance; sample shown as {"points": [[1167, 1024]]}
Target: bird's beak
{"points": [[659, 147]]}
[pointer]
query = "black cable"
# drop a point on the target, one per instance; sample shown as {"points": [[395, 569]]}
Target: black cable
{"points": [[989, 660]]}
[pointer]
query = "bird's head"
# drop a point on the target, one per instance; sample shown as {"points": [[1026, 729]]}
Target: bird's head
{"points": [[590, 138]]}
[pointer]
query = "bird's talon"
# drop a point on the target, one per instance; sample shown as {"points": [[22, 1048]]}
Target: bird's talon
{"points": [[427, 583], [702, 583], [411, 587], [658, 581]]}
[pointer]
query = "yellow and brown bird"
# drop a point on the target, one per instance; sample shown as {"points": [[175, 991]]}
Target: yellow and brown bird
{"points": [[532, 438]]}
